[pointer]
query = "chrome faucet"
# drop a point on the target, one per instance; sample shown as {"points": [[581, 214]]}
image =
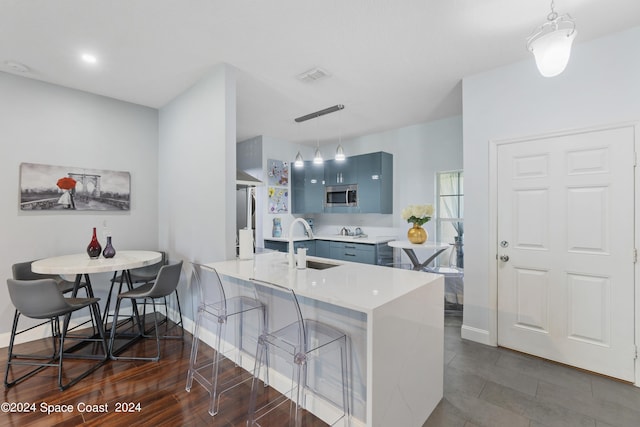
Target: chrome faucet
{"points": [[292, 263]]}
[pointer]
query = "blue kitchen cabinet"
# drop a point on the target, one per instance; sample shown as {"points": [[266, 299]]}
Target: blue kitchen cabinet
{"points": [[307, 189], [341, 172], [276, 245], [375, 183], [323, 248], [367, 253], [309, 244], [282, 246], [373, 173], [297, 190], [355, 252]]}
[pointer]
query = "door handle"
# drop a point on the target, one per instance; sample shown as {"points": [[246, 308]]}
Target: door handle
{"points": [[504, 258]]}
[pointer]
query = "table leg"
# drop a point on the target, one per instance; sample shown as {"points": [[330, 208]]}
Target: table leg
{"points": [[419, 266], [414, 259], [76, 285], [432, 257]]}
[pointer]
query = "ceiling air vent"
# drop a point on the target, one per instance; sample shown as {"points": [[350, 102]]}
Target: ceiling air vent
{"points": [[312, 75]]}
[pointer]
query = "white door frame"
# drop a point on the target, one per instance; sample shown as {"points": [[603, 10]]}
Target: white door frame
{"points": [[492, 244]]}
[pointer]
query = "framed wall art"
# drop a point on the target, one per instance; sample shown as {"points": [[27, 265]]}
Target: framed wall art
{"points": [[278, 191], [67, 188]]}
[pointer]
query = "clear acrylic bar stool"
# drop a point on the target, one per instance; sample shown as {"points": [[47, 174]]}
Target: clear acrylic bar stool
{"points": [[319, 357], [217, 307]]}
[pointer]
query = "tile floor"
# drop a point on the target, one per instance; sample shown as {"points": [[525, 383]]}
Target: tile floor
{"points": [[494, 387]]}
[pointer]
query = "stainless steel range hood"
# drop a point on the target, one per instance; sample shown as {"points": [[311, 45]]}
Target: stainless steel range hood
{"points": [[244, 180]]}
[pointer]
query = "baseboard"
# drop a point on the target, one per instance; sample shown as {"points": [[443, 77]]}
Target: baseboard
{"points": [[474, 334]]}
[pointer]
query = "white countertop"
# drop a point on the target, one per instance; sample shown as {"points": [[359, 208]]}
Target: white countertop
{"points": [[356, 286], [371, 240]]}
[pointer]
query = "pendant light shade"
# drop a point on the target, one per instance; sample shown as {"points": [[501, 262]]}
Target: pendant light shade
{"points": [[551, 43], [340, 153], [317, 159], [298, 162]]}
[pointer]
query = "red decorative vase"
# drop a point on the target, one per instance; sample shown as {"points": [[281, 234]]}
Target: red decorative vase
{"points": [[94, 249]]}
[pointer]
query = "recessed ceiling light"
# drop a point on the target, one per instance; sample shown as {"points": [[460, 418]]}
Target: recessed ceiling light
{"points": [[89, 59], [17, 67]]}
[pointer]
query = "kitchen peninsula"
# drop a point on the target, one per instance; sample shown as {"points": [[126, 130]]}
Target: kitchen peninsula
{"points": [[393, 317]]}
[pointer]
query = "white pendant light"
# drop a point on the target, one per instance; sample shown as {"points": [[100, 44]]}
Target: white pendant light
{"points": [[551, 43], [340, 157], [317, 159], [298, 162]]}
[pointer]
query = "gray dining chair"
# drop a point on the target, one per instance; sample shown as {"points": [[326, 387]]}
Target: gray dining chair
{"points": [[165, 284], [41, 299], [22, 271], [141, 275]]}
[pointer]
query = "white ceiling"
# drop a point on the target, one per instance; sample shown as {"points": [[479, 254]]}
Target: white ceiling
{"points": [[392, 62]]}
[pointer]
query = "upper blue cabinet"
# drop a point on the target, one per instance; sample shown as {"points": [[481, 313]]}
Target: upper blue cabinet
{"points": [[341, 172], [375, 183], [372, 173], [307, 189]]}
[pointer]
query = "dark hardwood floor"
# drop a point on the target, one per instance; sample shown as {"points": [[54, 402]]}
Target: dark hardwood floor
{"points": [[154, 392]]}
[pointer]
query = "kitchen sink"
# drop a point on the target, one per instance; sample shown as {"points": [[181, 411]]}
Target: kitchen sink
{"points": [[317, 265]]}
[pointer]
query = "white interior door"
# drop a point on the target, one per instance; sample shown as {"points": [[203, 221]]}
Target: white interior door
{"points": [[566, 249]]}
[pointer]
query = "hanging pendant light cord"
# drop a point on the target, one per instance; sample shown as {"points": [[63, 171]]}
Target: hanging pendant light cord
{"points": [[553, 15]]}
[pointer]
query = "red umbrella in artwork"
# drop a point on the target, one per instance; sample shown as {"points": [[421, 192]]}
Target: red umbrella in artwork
{"points": [[66, 183]]}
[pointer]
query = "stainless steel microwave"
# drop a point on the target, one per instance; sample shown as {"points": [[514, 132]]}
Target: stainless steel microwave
{"points": [[341, 195]]}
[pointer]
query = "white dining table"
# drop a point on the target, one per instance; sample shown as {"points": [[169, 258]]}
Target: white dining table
{"points": [[409, 248], [81, 265]]}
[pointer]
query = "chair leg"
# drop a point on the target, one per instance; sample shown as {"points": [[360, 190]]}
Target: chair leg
{"points": [[298, 383], [166, 320], [113, 329], [194, 349], [11, 356], [141, 334], [344, 358], [95, 316], [180, 314], [213, 407], [261, 349], [156, 328]]}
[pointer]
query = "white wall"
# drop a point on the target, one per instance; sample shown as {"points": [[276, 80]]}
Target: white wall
{"points": [[600, 86], [44, 123], [197, 174]]}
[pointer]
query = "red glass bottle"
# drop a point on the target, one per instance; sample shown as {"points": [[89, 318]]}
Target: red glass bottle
{"points": [[94, 249]]}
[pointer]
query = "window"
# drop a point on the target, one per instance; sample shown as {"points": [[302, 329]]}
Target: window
{"points": [[449, 206]]}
